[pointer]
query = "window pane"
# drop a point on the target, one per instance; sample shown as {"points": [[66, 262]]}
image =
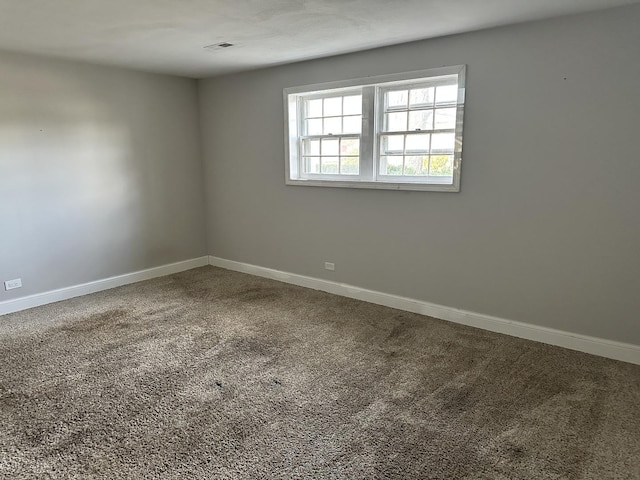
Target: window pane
{"points": [[314, 127], [414, 165], [311, 147], [425, 165], [349, 165], [421, 120], [445, 118], [391, 165], [332, 106], [418, 143], [447, 94], [330, 146], [350, 146], [421, 96], [312, 165], [329, 164], [390, 144], [332, 126], [397, 99], [314, 108], [441, 165], [396, 122], [443, 142], [352, 124], [353, 105]]}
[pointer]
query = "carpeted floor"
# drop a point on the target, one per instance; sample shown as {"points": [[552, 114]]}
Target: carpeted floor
{"points": [[211, 374]]}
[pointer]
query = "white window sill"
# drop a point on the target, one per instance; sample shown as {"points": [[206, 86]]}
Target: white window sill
{"points": [[380, 185]]}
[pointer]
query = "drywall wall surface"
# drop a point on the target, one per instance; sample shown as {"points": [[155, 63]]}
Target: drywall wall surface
{"points": [[546, 227], [100, 172]]}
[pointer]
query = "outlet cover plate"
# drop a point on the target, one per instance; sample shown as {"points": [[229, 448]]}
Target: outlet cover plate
{"points": [[11, 284]]}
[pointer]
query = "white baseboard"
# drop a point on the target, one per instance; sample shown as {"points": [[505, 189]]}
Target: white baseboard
{"points": [[22, 303], [595, 346]]}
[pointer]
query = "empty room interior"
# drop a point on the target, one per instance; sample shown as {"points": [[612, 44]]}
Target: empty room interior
{"points": [[295, 239]]}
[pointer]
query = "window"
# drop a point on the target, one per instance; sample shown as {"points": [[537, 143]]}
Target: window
{"points": [[399, 132]]}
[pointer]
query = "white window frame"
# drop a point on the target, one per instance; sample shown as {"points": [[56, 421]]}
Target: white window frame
{"points": [[372, 89]]}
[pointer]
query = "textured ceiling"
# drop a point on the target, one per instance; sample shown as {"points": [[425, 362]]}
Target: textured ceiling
{"points": [[168, 36]]}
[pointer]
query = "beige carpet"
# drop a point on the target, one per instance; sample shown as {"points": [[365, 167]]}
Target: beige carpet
{"points": [[211, 374]]}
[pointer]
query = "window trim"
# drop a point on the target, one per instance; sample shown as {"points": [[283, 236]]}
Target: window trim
{"points": [[369, 137]]}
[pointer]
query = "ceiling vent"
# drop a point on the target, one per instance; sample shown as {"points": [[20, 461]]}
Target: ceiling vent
{"points": [[219, 46]]}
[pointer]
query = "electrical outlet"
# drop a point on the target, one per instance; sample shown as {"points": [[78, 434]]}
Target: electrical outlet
{"points": [[329, 266], [11, 284]]}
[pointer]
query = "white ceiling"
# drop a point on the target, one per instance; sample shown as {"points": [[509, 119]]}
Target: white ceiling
{"points": [[168, 36]]}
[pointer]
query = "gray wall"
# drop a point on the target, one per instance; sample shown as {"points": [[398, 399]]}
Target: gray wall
{"points": [[546, 228], [100, 172]]}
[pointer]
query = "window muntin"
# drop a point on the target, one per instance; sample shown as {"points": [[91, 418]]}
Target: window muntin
{"points": [[395, 131]]}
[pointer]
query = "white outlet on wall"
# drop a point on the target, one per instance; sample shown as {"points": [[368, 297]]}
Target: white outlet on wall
{"points": [[329, 266], [11, 284]]}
